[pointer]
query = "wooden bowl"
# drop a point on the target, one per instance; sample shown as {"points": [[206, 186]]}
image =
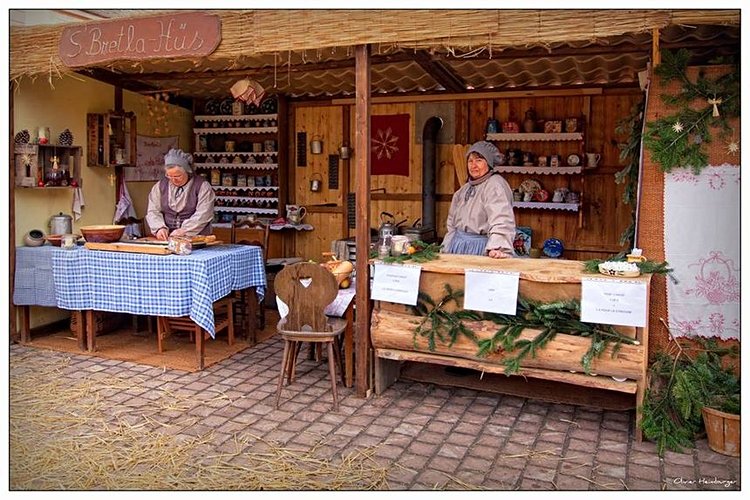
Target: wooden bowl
{"points": [[102, 234], [54, 239]]}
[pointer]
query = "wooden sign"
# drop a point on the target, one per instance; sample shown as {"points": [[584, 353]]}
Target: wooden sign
{"points": [[193, 34]]}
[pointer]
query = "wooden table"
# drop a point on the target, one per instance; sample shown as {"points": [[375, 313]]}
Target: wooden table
{"points": [[157, 285]]}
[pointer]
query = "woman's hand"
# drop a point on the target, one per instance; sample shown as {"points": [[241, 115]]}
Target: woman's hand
{"points": [[162, 234], [178, 233], [498, 254]]}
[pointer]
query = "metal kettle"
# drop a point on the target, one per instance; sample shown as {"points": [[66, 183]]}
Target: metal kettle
{"points": [[387, 227], [61, 224]]}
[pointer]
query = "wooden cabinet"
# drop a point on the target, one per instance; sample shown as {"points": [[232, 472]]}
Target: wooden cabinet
{"points": [[46, 166], [111, 139], [544, 280], [239, 154]]}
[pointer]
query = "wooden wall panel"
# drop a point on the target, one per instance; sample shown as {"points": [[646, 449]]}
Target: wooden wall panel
{"points": [[604, 215], [324, 122], [312, 244]]}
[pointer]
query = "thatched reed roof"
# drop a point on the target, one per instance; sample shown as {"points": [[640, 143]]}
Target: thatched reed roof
{"points": [[310, 52]]}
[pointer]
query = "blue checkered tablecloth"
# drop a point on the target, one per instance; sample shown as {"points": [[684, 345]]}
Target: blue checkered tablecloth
{"points": [[33, 284], [156, 285]]}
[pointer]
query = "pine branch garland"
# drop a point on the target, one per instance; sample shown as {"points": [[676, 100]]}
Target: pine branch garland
{"points": [[677, 140], [551, 318]]}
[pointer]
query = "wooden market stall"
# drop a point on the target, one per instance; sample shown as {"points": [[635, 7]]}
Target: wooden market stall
{"points": [[330, 78]]}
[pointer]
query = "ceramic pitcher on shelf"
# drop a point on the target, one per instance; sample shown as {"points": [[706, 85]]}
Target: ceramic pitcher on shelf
{"points": [[592, 159], [295, 214]]}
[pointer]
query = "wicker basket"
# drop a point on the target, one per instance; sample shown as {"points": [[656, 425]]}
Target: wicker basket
{"points": [[723, 431]]}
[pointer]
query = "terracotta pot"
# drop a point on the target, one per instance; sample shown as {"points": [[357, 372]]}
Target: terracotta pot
{"points": [[723, 431]]}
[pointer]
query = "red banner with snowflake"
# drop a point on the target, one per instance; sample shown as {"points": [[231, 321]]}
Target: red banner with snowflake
{"points": [[389, 154]]}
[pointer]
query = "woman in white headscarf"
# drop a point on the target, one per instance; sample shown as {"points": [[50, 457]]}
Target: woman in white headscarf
{"points": [[481, 220], [181, 204]]}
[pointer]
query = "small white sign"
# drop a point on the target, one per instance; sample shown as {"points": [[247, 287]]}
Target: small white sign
{"points": [[394, 283], [614, 302], [491, 291]]}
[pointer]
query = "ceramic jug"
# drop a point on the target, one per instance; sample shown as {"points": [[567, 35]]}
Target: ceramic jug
{"points": [[295, 214], [592, 159]]}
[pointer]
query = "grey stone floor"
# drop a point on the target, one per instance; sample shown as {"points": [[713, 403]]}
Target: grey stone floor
{"points": [[429, 437]]}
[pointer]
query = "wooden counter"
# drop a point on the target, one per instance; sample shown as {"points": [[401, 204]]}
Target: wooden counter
{"points": [[543, 280]]}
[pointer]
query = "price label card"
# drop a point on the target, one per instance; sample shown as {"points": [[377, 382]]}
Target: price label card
{"points": [[614, 302], [399, 284], [491, 291]]}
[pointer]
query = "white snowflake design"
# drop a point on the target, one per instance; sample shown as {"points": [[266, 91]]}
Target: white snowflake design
{"points": [[385, 144]]}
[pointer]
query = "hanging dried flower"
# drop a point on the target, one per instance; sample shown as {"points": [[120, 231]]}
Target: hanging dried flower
{"points": [[678, 127]]}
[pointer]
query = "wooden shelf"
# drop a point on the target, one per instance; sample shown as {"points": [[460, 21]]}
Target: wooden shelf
{"points": [[247, 210], [236, 130], [536, 136], [539, 170], [33, 163], [255, 166], [219, 118], [572, 207], [109, 134]]}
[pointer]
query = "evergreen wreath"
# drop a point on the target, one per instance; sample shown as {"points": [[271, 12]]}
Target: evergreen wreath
{"points": [[677, 140]]}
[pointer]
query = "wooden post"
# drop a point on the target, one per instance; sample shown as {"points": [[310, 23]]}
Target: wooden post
{"points": [[655, 51], [362, 211], [12, 217]]}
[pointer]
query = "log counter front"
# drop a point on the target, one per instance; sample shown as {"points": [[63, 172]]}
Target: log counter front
{"points": [[542, 280]]}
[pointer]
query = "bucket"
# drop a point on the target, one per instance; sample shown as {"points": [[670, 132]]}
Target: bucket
{"points": [[723, 431]]}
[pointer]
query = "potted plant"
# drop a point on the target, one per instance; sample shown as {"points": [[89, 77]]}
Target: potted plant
{"points": [[695, 381]]}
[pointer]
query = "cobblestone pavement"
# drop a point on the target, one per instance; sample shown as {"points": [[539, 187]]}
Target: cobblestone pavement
{"points": [[440, 437]]}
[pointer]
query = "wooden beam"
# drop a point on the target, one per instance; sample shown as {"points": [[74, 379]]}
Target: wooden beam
{"points": [[440, 72], [362, 208], [268, 70], [655, 51], [508, 94]]}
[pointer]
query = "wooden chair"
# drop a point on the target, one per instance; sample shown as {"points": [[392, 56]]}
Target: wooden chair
{"points": [[223, 320], [307, 289], [253, 233]]}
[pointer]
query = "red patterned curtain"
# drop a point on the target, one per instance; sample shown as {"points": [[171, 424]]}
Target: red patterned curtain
{"points": [[390, 145]]}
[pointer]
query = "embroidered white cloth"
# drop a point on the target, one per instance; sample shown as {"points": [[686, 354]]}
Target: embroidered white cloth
{"points": [[702, 245]]}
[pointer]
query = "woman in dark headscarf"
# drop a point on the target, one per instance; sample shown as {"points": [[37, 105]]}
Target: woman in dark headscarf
{"points": [[481, 220]]}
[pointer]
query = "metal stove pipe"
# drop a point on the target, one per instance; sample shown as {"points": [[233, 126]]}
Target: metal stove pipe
{"points": [[429, 170]]}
